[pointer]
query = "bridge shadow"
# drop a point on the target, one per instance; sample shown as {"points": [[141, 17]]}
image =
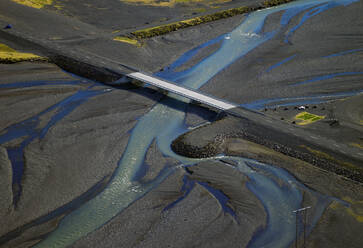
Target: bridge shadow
{"points": [[201, 111]]}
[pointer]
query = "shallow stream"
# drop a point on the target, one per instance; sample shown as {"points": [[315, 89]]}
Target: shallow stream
{"points": [[279, 192]]}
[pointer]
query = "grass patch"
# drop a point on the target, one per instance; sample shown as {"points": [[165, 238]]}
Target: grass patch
{"points": [[355, 209], [357, 145], [172, 3], [272, 3], [305, 118], [167, 28], [38, 4], [331, 158], [200, 10], [128, 40], [9, 55]]}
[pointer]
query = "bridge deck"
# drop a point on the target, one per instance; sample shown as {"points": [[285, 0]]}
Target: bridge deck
{"points": [[182, 91]]}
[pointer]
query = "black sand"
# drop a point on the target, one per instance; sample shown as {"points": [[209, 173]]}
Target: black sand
{"points": [[79, 154]]}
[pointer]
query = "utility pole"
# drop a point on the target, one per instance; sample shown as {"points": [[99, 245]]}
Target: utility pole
{"points": [[297, 214]]}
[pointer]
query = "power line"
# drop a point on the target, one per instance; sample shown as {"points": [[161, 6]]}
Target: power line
{"points": [[297, 214]]}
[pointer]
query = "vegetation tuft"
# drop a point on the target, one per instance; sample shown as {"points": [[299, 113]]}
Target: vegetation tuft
{"points": [[307, 118], [272, 3], [167, 28], [9, 55], [127, 40], [38, 4], [135, 36]]}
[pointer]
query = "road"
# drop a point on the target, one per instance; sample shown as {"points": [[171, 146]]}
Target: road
{"points": [[182, 91]]}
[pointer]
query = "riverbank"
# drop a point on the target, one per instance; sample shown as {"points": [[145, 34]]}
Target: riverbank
{"points": [[316, 144]]}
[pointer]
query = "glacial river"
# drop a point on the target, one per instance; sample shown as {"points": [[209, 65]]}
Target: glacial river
{"points": [[277, 190]]}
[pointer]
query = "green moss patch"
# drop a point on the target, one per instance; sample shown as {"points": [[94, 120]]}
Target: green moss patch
{"points": [[271, 3], [305, 118], [173, 3], [128, 40], [37, 4], [9, 55]]}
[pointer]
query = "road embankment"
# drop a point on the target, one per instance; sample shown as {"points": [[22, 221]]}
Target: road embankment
{"points": [[288, 139]]}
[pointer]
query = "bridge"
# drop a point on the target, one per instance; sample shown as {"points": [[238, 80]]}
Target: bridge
{"points": [[134, 73], [182, 90]]}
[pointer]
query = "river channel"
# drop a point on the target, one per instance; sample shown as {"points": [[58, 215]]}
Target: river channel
{"points": [[279, 192]]}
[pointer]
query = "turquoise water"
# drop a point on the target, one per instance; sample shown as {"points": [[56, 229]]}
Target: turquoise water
{"points": [[280, 193], [164, 123]]}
